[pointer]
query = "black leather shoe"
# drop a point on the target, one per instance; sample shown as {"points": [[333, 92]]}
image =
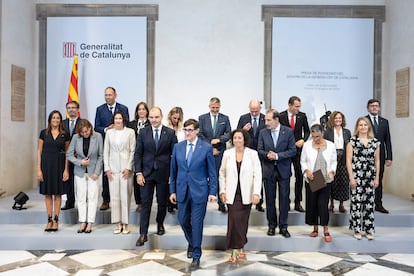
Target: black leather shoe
{"points": [[299, 208], [285, 233], [142, 239], [259, 208], [68, 206], [195, 264], [381, 209], [222, 208], [189, 252], [104, 206], [271, 231], [160, 229]]}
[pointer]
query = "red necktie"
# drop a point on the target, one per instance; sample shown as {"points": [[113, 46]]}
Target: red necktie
{"points": [[292, 122]]}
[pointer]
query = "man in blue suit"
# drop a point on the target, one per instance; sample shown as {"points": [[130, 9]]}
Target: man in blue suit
{"points": [[193, 182], [103, 122], [253, 122], [276, 148], [152, 167], [215, 129]]}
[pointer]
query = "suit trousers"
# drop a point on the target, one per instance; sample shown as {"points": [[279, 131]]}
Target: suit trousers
{"points": [[298, 176], [86, 197], [270, 186], [147, 195], [120, 190], [191, 218], [70, 186], [378, 190]]}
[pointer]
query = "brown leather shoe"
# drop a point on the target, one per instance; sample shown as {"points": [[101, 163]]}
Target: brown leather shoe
{"points": [[141, 240], [104, 206]]}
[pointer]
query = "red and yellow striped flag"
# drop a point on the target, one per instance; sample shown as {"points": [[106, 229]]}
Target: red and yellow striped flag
{"points": [[73, 93]]}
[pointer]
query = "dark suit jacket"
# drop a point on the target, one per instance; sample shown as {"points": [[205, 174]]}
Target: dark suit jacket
{"points": [[285, 150], [301, 130], [147, 154], [247, 118], [384, 136], [199, 178], [103, 116], [223, 130], [66, 123], [329, 134]]}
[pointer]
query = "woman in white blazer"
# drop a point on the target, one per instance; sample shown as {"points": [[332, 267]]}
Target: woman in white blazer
{"points": [[119, 152], [318, 154], [240, 180], [86, 153]]}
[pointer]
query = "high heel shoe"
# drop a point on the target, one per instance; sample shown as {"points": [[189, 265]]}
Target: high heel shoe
{"points": [[49, 224], [331, 208], [125, 229], [342, 209], [118, 229], [55, 226], [82, 228], [88, 229]]}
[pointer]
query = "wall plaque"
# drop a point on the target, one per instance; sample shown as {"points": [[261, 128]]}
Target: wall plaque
{"points": [[18, 98], [402, 91]]}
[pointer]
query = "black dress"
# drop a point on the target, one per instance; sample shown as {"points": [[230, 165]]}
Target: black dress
{"points": [[53, 163]]}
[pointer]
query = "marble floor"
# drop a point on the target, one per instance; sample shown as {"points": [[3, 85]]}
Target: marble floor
{"points": [[174, 262]]}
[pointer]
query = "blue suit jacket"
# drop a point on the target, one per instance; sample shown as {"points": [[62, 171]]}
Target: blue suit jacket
{"points": [[199, 178], [103, 117], [247, 118], [146, 153], [223, 130], [285, 150]]}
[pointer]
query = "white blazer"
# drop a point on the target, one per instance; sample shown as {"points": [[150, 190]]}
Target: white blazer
{"points": [[250, 175], [119, 149], [309, 154]]}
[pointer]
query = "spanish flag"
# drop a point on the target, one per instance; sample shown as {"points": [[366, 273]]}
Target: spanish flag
{"points": [[73, 93]]}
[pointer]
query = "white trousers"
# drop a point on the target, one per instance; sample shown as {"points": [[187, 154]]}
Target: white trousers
{"points": [[120, 190], [86, 191]]}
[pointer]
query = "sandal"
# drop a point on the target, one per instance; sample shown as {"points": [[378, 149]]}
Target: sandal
{"points": [[328, 237], [118, 229], [49, 224], [342, 209], [233, 257], [241, 254], [55, 226], [314, 234]]}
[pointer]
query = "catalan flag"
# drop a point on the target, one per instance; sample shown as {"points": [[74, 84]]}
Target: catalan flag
{"points": [[73, 93]]}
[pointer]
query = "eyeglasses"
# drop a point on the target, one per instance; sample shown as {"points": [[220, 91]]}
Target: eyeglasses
{"points": [[189, 130]]}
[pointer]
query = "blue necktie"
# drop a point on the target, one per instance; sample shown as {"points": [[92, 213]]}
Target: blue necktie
{"points": [[190, 154], [274, 137], [214, 125], [254, 126], [156, 138], [111, 108]]}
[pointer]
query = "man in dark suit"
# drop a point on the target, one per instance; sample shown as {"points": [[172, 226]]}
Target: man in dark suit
{"points": [[103, 122], [298, 122], [152, 168], [70, 124], [253, 122], [382, 133], [193, 182], [215, 129], [276, 148]]}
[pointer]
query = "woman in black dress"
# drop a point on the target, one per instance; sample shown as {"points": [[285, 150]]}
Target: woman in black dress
{"points": [[52, 166], [339, 135]]}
